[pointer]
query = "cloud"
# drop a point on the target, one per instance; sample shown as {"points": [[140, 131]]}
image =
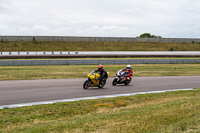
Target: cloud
{"points": [[128, 18], [109, 30], [5, 4]]}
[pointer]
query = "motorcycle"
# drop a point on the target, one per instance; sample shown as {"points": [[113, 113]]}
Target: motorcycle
{"points": [[93, 80], [121, 78]]}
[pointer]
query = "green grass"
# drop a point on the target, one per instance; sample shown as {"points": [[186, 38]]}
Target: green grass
{"points": [[163, 112], [96, 46], [80, 71]]}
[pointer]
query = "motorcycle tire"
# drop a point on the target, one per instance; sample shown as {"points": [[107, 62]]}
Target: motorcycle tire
{"points": [[102, 84], [114, 82], [85, 85], [127, 82]]}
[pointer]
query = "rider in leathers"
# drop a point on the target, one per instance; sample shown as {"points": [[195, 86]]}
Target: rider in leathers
{"points": [[103, 73], [130, 72]]}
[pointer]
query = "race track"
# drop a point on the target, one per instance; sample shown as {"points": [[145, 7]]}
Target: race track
{"points": [[26, 91]]}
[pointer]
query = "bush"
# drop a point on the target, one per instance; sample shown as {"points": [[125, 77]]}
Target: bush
{"points": [[171, 49], [35, 41], [148, 35]]}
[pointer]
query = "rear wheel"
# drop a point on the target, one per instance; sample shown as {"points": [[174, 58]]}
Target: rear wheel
{"points": [[127, 82], [86, 84], [102, 84], [114, 82]]}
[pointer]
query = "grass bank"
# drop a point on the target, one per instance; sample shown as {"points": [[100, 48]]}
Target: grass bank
{"points": [[80, 71], [162, 112], [96, 46]]}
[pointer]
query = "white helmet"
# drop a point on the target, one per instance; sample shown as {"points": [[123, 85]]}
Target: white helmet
{"points": [[128, 67]]}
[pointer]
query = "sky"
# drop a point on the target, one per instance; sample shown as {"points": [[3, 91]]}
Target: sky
{"points": [[100, 18]]}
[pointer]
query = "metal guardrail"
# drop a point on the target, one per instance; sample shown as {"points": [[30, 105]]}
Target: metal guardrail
{"points": [[96, 54], [96, 62]]}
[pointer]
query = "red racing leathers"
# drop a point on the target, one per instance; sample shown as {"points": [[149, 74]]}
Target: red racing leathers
{"points": [[130, 72]]}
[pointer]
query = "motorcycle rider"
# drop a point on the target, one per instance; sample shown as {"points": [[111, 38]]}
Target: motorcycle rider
{"points": [[103, 73], [129, 71]]}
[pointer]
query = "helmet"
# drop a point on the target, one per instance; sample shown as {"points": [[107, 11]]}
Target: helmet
{"points": [[100, 67], [128, 67]]}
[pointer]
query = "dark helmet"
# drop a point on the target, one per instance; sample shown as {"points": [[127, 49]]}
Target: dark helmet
{"points": [[128, 67], [100, 67]]}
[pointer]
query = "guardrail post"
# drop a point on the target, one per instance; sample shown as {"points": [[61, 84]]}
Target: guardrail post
{"points": [[103, 45], [89, 44], [117, 45], [132, 45], [57, 45], [64, 45], [40, 46], [67, 42], [193, 45], [5, 44], [22, 45], [157, 47], [182, 46], [170, 47], [73, 45]]}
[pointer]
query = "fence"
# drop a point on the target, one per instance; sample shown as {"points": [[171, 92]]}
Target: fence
{"points": [[97, 39], [55, 43]]}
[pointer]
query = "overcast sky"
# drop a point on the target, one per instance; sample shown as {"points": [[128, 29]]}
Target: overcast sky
{"points": [[100, 18]]}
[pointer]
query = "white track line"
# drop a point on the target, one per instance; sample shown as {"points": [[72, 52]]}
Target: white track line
{"points": [[86, 98]]}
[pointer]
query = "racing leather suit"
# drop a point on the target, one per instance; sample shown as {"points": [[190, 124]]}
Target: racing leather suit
{"points": [[103, 75], [130, 72]]}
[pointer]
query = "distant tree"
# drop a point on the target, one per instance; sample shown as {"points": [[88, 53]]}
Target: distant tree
{"points": [[145, 35], [148, 35]]}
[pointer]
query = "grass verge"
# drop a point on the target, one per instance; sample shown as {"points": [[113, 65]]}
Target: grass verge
{"points": [[162, 112], [96, 46], [146, 58], [80, 71]]}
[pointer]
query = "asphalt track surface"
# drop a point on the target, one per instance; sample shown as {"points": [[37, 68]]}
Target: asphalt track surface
{"points": [[26, 91]]}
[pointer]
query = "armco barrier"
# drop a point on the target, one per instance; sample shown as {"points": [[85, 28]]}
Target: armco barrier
{"points": [[96, 62], [96, 54]]}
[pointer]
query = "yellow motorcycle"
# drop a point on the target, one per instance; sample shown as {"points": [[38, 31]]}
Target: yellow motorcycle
{"points": [[93, 80]]}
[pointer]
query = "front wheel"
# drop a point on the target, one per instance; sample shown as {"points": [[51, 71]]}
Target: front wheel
{"points": [[86, 84], [114, 82]]}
